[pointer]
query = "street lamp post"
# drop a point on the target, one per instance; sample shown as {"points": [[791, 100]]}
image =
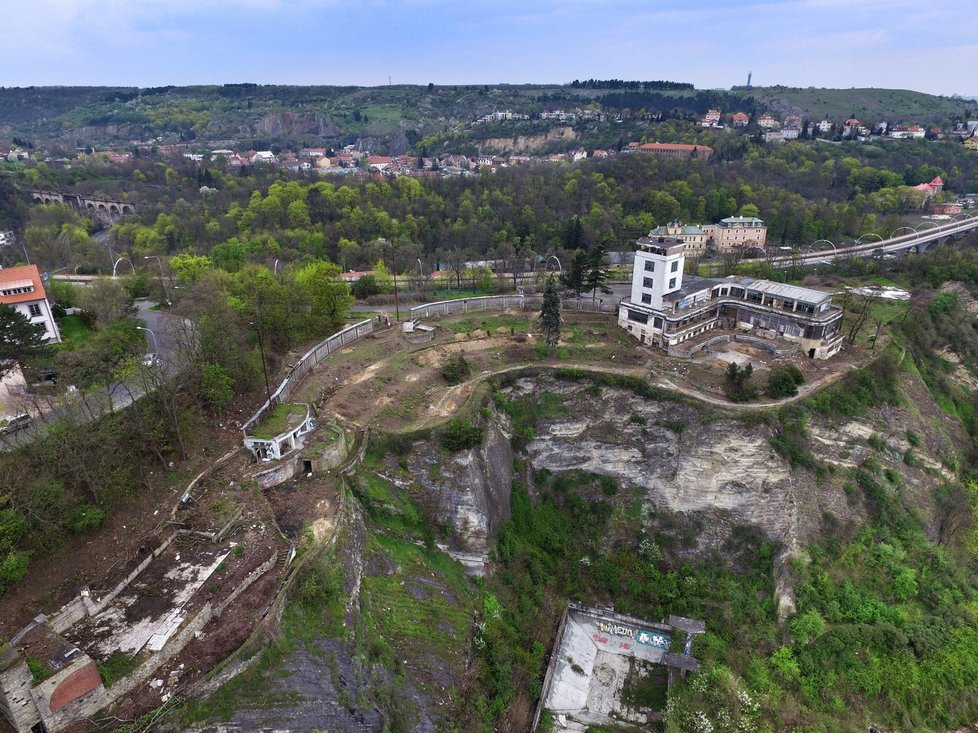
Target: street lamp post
{"points": [[166, 295], [156, 343]]}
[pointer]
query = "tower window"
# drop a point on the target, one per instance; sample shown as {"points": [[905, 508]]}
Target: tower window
{"points": [[649, 266], [675, 266]]}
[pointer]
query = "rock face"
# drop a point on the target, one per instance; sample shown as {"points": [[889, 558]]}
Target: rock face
{"points": [[470, 493], [529, 143], [288, 124], [686, 459]]}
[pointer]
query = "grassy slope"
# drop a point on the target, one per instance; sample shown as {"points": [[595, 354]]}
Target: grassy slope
{"points": [[868, 105]]}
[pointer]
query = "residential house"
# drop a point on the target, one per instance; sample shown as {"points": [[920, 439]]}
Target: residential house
{"points": [[740, 119], [906, 132], [851, 127], [971, 143], [930, 190], [379, 162], [711, 119], [792, 122], [263, 156], [22, 288], [767, 122], [824, 127]]}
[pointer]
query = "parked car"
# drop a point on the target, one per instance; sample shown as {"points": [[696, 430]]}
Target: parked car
{"points": [[13, 423]]}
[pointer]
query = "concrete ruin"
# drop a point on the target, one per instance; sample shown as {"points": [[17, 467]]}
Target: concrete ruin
{"points": [[599, 655], [135, 622]]}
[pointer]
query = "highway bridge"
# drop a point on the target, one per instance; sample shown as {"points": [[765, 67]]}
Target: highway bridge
{"points": [[901, 241]]}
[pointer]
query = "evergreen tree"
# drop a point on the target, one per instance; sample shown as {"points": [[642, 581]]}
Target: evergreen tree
{"points": [[550, 313], [596, 275], [574, 278], [19, 338]]}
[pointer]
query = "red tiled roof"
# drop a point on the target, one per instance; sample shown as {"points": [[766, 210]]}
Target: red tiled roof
{"points": [[14, 277], [937, 182]]}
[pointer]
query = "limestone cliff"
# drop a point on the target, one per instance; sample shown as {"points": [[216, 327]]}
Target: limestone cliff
{"points": [[470, 492]]}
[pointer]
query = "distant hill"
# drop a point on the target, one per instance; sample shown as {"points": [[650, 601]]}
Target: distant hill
{"points": [[406, 117], [867, 105]]}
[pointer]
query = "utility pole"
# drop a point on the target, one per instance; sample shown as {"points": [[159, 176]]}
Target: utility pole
{"points": [[397, 306], [264, 366]]}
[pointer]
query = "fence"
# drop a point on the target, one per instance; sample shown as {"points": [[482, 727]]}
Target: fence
{"points": [[306, 364], [510, 302]]}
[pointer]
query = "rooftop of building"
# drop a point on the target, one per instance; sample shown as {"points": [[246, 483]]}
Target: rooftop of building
{"points": [[691, 284], [683, 228], [747, 221], [25, 278], [785, 291], [660, 244]]}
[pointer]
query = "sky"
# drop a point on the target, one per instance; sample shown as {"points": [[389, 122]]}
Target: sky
{"points": [[925, 45]]}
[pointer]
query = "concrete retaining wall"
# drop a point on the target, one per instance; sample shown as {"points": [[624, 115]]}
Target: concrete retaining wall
{"points": [[247, 583]]}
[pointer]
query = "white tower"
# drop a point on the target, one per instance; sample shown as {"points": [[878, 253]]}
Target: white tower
{"points": [[658, 270]]}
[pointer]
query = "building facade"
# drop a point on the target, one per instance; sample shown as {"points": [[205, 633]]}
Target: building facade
{"points": [[677, 150], [667, 308], [737, 232], [22, 288]]}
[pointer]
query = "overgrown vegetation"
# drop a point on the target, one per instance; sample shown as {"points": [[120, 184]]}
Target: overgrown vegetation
{"points": [[555, 549], [456, 369]]}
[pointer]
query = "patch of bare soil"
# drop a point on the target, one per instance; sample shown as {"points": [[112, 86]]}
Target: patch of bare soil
{"points": [[305, 502]]}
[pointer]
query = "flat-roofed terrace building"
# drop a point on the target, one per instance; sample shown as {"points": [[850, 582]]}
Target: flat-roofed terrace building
{"points": [[667, 307]]}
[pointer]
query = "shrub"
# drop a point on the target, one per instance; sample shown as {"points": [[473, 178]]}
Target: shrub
{"points": [[913, 438], [910, 458], [876, 442], [783, 381], [83, 518], [459, 434], [13, 568], [636, 419], [456, 370]]}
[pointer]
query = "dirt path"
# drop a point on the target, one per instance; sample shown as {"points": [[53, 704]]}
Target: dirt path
{"points": [[455, 397]]}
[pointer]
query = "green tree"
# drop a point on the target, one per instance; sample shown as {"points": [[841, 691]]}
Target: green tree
{"points": [[107, 301], [550, 314], [20, 340], [189, 268], [319, 285], [738, 385], [596, 277], [216, 387], [574, 278]]}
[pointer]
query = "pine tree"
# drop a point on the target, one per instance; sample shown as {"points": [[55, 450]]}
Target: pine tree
{"points": [[19, 338], [550, 313], [596, 276], [573, 279]]}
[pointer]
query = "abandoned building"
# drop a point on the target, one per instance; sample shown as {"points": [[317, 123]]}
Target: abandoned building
{"points": [[667, 308], [600, 655]]}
